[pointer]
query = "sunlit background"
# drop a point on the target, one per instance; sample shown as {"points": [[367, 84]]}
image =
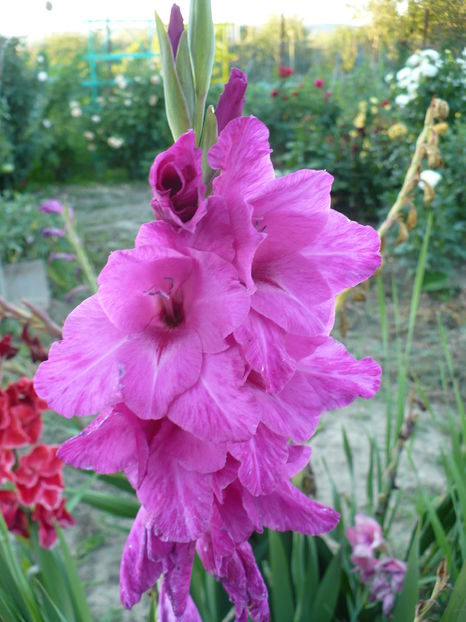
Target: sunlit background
{"points": [[37, 18]]}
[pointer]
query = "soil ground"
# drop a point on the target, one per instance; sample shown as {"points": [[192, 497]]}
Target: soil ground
{"points": [[109, 217]]}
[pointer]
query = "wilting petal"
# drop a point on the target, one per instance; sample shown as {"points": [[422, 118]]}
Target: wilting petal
{"points": [[114, 441], [261, 460], [138, 573], [82, 374], [242, 153], [178, 577], [218, 407], [166, 613], [288, 509], [345, 252], [263, 344]]}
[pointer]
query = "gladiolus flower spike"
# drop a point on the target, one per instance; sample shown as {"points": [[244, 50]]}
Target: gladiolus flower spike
{"points": [[206, 354]]}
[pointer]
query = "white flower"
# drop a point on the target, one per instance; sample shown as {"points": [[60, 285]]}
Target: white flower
{"points": [[101, 100], [115, 142], [121, 82], [40, 58], [430, 54], [74, 104], [95, 118], [402, 100], [138, 79], [403, 76], [155, 79], [76, 112], [430, 177], [47, 123], [127, 102], [389, 77], [413, 60], [153, 99], [89, 135], [42, 76], [427, 70]]}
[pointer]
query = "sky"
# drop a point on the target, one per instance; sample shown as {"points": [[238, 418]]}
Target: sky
{"points": [[31, 18]]}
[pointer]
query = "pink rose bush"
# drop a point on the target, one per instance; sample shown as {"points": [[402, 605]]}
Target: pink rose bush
{"points": [[206, 356], [385, 575]]}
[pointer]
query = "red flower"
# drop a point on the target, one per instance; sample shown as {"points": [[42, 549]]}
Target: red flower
{"points": [[46, 518], [294, 94], [274, 93], [285, 72], [319, 83], [384, 103], [14, 517], [6, 349], [39, 478], [20, 414]]}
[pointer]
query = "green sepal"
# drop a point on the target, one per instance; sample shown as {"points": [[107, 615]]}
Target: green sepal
{"points": [[209, 138], [184, 71], [175, 102], [201, 38]]}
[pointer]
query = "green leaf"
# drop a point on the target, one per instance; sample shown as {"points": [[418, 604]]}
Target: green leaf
{"points": [[406, 603], [281, 592], [202, 45], [184, 71], [175, 103], [82, 611], [113, 504], [325, 600], [456, 609], [209, 138]]}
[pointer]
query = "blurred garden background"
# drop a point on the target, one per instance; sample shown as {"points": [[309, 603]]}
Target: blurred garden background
{"points": [[81, 119]]}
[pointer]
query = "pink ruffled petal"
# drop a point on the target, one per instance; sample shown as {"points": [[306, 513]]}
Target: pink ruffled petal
{"points": [[288, 509], [218, 407], [287, 292], [216, 303], [178, 501], [263, 344], [157, 367], [114, 441], [335, 378], [262, 459], [345, 252], [292, 211], [242, 153], [83, 374]]}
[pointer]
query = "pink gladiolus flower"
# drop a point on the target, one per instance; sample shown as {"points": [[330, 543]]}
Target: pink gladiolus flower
{"points": [[206, 350], [176, 181], [231, 101]]}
